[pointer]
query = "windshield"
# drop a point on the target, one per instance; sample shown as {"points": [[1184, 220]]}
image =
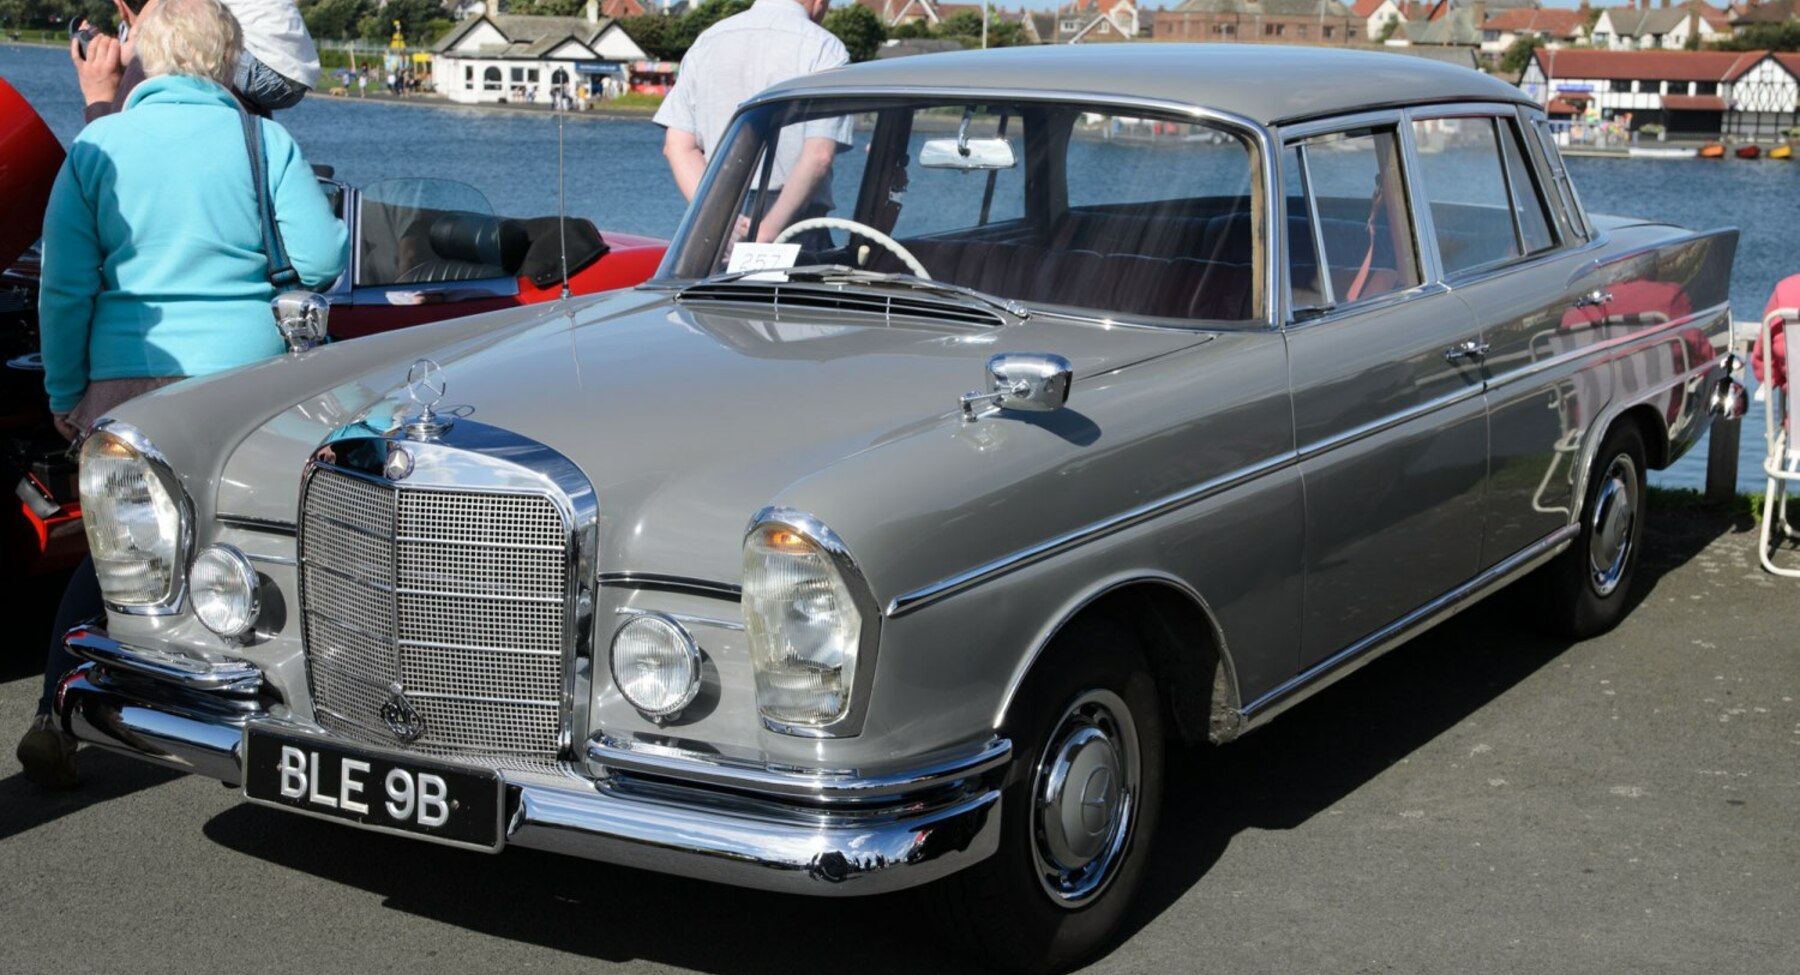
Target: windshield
{"points": [[1050, 204]]}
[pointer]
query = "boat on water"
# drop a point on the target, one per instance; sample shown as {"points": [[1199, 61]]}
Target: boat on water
{"points": [[1712, 150], [1661, 152], [1748, 152], [1782, 152]]}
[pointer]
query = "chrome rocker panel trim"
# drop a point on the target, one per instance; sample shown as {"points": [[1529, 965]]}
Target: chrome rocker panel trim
{"points": [[745, 837]]}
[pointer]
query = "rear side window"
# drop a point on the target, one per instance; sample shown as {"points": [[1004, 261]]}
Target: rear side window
{"points": [[1527, 196], [1564, 196], [1465, 189], [1358, 218]]}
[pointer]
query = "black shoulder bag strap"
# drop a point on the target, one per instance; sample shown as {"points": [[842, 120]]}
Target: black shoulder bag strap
{"points": [[281, 274]]}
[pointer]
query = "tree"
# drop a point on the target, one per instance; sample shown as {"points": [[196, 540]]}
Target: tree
{"points": [[859, 29], [413, 15], [1518, 55], [655, 33], [1388, 27], [336, 19], [1763, 37], [547, 8]]}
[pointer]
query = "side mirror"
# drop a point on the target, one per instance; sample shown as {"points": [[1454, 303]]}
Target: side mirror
{"points": [[1031, 382], [302, 317]]}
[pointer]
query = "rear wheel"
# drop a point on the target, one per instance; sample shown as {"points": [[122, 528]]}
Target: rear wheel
{"points": [[1079, 808], [1586, 588]]}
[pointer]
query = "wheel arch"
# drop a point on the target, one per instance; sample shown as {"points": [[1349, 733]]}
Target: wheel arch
{"points": [[1652, 427], [1183, 643]]}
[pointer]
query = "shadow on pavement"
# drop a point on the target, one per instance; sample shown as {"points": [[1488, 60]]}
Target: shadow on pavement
{"points": [[1276, 778], [105, 777]]}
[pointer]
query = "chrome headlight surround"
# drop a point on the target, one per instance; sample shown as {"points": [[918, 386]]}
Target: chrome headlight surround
{"points": [[129, 445], [225, 591], [680, 654], [856, 672]]}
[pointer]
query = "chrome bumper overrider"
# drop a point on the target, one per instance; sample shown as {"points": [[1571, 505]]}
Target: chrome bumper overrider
{"points": [[797, 832]]}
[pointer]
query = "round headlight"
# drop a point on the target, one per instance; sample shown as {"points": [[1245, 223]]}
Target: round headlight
{"points": [[223, 584], [656, 665]]}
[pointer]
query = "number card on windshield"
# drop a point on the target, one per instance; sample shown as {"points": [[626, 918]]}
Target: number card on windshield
{"points": [[773, 258]]}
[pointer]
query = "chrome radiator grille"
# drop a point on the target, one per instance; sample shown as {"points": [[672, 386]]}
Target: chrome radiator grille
{"points": [[457, 597]]}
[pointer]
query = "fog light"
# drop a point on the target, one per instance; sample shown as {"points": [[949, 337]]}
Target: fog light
{"points": [[222, 584], [656, 665]]}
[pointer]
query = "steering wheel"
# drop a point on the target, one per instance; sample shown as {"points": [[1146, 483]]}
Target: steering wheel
{"points": [[859, 229]]}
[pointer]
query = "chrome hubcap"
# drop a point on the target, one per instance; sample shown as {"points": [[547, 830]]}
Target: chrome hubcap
{"points": [[1610, 524], [1085, 794]]}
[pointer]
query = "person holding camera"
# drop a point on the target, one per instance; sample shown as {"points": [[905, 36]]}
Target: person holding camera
{"points": [[155, 266], [277, 67]]}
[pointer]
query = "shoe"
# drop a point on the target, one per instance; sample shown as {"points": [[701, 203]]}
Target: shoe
{"points": [[48, 755]]}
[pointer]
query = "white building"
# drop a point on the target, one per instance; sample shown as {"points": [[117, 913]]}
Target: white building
{"points": [[1666, 27], [507, 58], [1751, 94]]}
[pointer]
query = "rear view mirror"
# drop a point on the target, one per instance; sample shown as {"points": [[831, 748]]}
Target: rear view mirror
{"points": [[968, 155]]}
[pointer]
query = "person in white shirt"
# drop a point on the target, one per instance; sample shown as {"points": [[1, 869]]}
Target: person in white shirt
{"points": [[734, 59]]}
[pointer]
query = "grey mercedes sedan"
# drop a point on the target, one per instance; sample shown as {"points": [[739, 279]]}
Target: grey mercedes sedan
{"points": [[995, 420]]}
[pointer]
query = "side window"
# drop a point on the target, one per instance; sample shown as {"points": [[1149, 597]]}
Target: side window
{"points": [[1302, 244], [1565, 196], [1527, 195], [1465, 189], [1358, 196]]}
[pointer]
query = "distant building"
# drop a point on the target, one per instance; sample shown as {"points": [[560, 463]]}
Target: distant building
{"points": [[1325, 22], [1376, 14], [1666, 27], [513, 58], [1755, 12], [1750, 94], [1552, 26]]}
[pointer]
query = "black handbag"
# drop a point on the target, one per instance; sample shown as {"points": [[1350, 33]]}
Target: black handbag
{"points": [[281, 273]]}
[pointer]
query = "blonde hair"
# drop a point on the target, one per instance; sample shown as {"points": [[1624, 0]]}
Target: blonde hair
{"points": [[190, 37]]}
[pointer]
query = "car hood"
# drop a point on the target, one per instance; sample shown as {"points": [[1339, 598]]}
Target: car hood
{"points": [[29, 159], [687, 418]]}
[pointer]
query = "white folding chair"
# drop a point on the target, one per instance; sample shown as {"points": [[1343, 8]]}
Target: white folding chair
{"points": [[1782, 434]]}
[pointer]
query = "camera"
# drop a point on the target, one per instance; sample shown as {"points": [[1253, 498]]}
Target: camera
{"points": [[84, 32]]}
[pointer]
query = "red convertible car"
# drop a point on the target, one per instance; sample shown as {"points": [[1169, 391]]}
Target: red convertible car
{"points": [[425, 250]]}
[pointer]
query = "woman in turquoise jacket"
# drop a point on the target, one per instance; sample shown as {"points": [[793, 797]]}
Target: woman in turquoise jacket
{"points": [[153, 258], [154, 268]]}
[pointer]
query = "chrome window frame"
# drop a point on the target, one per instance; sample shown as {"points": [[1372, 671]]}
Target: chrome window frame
{"points": [[1430, 274], [474, 458], [1260, 137], [868, 645], [1495, 113]]}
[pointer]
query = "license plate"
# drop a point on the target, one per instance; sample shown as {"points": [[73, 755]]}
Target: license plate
{"points": [[394, 794]]}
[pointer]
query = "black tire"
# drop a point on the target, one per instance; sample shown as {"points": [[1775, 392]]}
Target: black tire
{"points": [[1584, 592], [1004, 907]]}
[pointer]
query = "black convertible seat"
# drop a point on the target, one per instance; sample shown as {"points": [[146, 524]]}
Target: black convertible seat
{"points": [[470, 247]]}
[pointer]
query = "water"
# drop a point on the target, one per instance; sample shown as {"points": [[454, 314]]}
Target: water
{"points": [[617, 178]]}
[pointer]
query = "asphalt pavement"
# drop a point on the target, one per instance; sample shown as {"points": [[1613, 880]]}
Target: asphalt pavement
{"points": [[1481, 800]]}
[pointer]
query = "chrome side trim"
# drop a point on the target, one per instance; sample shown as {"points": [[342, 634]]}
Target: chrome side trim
{"points": [[267, 526], [671, 583], [815, 786], [169, 666], [684, 619], [1346, 661], [1388, 422], [945, 588]]}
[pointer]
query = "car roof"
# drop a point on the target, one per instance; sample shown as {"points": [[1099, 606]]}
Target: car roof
{"points": [[1264, 83]]}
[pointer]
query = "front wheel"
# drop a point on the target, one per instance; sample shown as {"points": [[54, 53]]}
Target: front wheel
{"points": [[1079, 808], [1585, 590]]}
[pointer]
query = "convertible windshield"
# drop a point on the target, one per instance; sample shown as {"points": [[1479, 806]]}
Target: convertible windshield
{"points": [[1050, 204]]}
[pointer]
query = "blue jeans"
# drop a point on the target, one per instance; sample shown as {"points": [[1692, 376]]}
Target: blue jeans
{"points": [[261, 89], [80, 602]]}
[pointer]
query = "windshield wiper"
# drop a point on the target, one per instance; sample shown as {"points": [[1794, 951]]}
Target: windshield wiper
{"points": [[840, 273]]}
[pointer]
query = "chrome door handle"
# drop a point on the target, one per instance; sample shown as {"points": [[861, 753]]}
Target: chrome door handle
{"points": [[1472, 349], [1593, 299]]}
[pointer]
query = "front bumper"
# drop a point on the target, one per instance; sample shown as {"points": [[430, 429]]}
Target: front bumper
{"points": [[791, 832]]}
